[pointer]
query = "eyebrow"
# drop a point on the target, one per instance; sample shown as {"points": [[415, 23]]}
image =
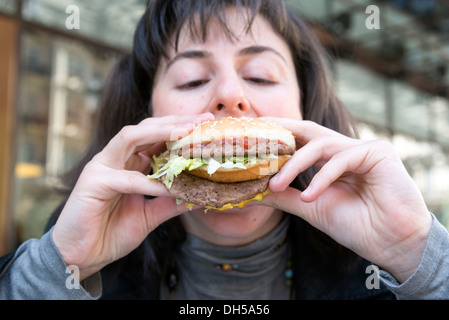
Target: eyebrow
{"points": [[194, 54], [254, 50], [200, 54]]}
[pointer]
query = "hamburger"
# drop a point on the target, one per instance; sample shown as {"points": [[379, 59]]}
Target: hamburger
{"points": [[224, 163]]}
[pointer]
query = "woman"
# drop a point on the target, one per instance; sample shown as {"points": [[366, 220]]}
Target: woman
{"points": [[193, 61]]}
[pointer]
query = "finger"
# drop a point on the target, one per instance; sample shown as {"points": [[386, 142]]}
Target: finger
{"points": [[137, 138], [318, 150], [155, 149], [356, 160], [161, 209], [177, 119], [183, 124], [290, 201], [303, 130], [130, 182], [142, 160]]}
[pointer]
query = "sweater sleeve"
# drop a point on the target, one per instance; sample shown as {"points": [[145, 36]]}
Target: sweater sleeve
{"points": [[429, 281], [36, 270]]}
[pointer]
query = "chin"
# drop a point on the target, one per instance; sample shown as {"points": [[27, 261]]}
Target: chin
{"points": [[232, 227]]}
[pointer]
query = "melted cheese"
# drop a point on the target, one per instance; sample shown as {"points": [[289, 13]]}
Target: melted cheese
{"points": [[257, 197]]}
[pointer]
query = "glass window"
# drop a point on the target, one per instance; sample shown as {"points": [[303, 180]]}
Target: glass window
{"points": [[410, 113], [8, 6], [112, 22], [362, 92], [439, 128], [313, 9], [59, 82]]}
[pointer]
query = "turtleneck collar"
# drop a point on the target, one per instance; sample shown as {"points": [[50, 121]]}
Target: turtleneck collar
{"points": [[253, 271]]}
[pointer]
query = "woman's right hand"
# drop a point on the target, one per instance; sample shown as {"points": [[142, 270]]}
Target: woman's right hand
{"points": [[106, 215]]}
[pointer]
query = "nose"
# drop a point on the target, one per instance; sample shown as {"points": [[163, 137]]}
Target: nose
{"points": [[230, 98]]}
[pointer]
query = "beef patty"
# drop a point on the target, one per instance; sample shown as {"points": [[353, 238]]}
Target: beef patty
{"points": [[233, 148], [203, 192]]}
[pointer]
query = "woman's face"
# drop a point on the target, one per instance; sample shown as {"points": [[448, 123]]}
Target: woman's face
{"points": [[251, 76]]}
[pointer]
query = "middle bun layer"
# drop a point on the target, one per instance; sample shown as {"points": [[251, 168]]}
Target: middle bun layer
{"points": [[262, 168]]}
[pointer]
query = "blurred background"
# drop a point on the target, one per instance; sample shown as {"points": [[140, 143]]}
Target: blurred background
{"points": [[392, 76]]}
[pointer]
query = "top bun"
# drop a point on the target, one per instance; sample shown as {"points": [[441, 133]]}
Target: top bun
{"points": [[234, 128]]}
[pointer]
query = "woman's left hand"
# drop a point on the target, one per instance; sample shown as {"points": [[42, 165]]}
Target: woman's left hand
{"points": [[362, 196]]}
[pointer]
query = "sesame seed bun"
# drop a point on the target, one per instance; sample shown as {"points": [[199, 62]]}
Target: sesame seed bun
{"points": [[236, 127]]}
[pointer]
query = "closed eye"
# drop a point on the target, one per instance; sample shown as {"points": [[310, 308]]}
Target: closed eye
{"points": [[261, 81], [192, 84]]}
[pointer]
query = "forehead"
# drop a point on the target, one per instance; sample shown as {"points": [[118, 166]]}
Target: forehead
{"points": [[235, 27]]}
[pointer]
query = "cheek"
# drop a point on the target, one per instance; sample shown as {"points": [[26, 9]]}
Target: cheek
{"points": [[157, 102], [284, 105], [166, 103]]}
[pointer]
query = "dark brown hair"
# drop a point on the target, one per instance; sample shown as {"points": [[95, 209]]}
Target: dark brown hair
{"points": [[126, 99]]}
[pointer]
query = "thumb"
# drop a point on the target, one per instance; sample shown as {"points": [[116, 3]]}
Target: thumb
{"points": [[161, 209], [290, 201]]}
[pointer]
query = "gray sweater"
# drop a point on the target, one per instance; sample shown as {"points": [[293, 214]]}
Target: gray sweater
{"points": [[37, 271]]}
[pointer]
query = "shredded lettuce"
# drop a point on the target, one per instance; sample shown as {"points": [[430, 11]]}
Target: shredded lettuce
{"points": [[213, 165], [234, 162], [169, 168]]}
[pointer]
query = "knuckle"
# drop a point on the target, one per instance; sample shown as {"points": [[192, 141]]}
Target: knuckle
{"points": [[126, 131], [132, 178], [340, 157], [147, 121], [126, 135], [385, 147], [131, 182], [378, 142], [316, 144], [309, 123], [179, 132], [320, 145]]}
